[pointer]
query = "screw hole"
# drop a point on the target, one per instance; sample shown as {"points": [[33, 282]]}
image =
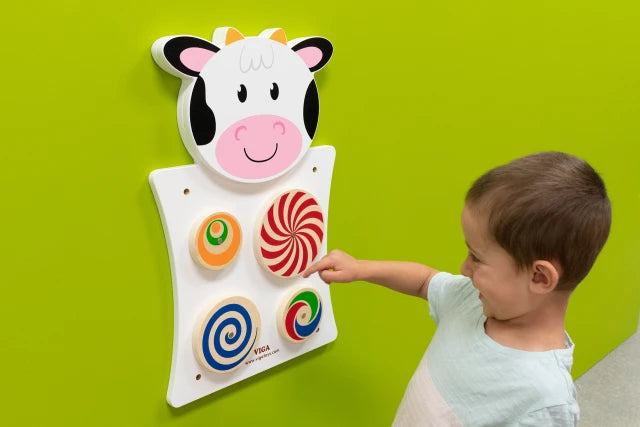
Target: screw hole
{"points": [[317, 330], [186, 191], [231, 335], [198, 377], [315, 169]]}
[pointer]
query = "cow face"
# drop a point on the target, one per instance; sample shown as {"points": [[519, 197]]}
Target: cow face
{"points": [[248, 107]]}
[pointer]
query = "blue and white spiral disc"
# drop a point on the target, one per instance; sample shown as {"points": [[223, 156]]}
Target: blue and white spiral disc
{"points": [[227, 334]]}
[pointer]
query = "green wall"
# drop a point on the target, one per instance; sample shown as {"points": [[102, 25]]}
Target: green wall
{"points": [[419, 99]]}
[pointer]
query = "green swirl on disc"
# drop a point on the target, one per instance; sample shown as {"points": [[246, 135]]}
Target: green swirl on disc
{"points": [[215, 241], [310, 298]]}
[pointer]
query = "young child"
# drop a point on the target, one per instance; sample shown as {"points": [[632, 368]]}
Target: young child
{"points": [[500, 355]]}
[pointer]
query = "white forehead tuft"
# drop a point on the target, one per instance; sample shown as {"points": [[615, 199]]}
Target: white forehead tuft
{"points": [[256, 53]]}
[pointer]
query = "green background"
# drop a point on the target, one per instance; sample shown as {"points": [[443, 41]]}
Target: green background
{"points": [[419, 99]]}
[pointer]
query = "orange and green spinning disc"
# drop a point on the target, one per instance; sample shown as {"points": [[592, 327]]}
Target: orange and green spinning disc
{"points": [[215, 240]]}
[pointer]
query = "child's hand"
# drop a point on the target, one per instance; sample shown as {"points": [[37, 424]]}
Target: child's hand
{"points": [[409, 278], [336, 266]]}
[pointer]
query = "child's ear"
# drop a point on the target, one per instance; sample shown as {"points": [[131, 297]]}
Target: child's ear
{"points": [[545, 277]]}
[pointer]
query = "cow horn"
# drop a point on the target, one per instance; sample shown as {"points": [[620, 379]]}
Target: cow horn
{"points": [[279, 36], [232, 36]]}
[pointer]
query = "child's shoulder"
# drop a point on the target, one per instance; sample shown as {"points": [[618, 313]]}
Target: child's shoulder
{"points": [[449, 293], [445, 284]]}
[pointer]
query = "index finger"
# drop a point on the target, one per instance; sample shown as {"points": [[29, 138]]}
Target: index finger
{"points": [[323, 264]]}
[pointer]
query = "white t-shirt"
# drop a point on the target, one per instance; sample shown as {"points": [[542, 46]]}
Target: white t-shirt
{"points": [[467, 379]]}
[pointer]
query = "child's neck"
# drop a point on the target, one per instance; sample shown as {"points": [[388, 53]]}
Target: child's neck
{"points": [[541, 329]]}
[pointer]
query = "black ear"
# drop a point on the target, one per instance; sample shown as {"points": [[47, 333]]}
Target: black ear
{"points": [[203, 121], [315, 51], [184, 54]]}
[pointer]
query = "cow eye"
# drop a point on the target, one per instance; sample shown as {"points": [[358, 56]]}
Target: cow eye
{"points": [[242, 93], [275, 91]]}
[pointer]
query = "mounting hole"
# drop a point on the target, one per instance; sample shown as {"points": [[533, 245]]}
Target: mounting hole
{"points": [[304, 315], [186, 191], [315, 169], [198, 377], [231, 335], [317, 330]]}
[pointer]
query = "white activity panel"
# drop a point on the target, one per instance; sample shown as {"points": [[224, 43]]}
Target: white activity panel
{"points": [[244, 221], [199, 290]]}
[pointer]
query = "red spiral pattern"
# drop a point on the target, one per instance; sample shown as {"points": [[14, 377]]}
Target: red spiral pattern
{"points": [[291, 233]]}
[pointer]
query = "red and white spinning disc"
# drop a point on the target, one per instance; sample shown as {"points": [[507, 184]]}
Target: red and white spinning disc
{"points": [[290, 234]]}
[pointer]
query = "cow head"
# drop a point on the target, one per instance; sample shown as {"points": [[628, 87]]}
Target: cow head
{"points": [[248, 107]]}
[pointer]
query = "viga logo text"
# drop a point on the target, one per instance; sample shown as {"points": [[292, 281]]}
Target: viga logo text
{"points": [[262, 349]]}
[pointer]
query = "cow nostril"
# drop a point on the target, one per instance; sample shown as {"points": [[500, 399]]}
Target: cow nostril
{"points": [[238, 132], [280, 125]]}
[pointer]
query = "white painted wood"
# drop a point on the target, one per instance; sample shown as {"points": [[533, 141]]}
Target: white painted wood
{"points": [[184, 195]]}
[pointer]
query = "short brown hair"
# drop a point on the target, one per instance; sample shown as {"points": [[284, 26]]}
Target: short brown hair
{"points": [[550, 206]]}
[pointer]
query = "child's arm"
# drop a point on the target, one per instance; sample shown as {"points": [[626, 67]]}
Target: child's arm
{"points": [[409, 278]]}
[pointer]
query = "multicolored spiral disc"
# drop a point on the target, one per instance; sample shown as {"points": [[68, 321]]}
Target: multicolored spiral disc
{"points": [[300, 314], [226, 334], [215, 240], [290, 234]]}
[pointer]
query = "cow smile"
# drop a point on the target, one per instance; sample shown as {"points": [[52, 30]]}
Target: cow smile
{"points": [[261, 161]]}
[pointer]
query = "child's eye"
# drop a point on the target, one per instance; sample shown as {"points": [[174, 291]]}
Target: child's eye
{"points": [[473, 257]]}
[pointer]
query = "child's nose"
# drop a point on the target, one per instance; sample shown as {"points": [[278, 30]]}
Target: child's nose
{"points": [[465, 269]]}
